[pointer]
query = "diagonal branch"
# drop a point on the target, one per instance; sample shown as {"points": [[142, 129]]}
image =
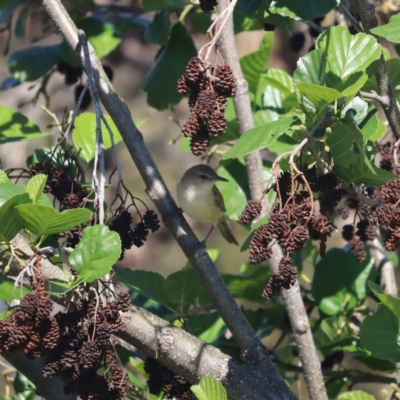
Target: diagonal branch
{"points": [[292, 297], [252, 350], [389, 106]]}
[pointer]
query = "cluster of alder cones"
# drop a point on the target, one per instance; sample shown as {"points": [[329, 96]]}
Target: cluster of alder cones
{"points": [[208, 90], [76, 343], [292, 222]]}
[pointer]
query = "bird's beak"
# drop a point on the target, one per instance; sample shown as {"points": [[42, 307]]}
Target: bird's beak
{"points": [[221, 179]]}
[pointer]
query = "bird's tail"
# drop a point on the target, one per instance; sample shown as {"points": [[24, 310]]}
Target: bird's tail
{"points": [[225, 227]]}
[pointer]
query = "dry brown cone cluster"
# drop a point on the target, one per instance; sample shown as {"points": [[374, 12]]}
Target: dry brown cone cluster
{"points": [[292, 222], [76, 343], [385, 216], [208, 89], [163, 379]]}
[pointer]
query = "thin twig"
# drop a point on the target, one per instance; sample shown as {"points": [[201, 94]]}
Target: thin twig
{"points": [[99, 153], [384, 101], [343, 9]]}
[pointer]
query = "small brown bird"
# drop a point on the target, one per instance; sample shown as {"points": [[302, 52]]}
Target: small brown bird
{"points": [[201, 200]]}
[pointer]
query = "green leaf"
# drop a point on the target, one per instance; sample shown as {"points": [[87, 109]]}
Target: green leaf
{"points": [[334, 386], [24, 65], [348, 56], [95, 254], [318, 95], [340, 141], [159, 28], [266, 17], [273, 92], [340, 281], [340, 61], [9, 225], [302, 9], [359, 173], [35, 187], [15, 127], [168, 68], [376, 363], [259, 137], [8, 190], [236, 191], [253, 64], [248, 6], [182, 288], [209, 389], [248, 287], [371, 126], [331, 331], [84, 134], [385, 326], [215, 329], [391, 30], [356, 395], [393, 66], [9, 292], [147, 283], [102, 35], [392, 303], [44, 220], [4, 177], [311, 68]]}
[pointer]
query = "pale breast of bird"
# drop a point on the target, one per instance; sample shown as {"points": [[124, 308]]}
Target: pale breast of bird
{"points": [[196, 203]]}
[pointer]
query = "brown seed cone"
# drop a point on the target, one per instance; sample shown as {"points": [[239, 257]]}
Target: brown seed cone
{"points": [[194, 71], [182, 88], [294, 239], [191, 126], [199, 144], [322, 224], [52, 335], [206, 104], [259, 245], [216, 124], [390, 191], [227, 84], [357, 248], [251, 211]]}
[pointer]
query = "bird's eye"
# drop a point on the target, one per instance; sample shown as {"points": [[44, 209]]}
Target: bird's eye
{"points": [[202, 176]]}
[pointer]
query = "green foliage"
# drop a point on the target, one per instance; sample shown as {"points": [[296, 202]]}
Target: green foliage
{"points": [[209, 389], [44, 220], [340, 281], [253, 64], [84, 134], [385, 326], [15, 127], [391, 30], [168, 68], [102, 35], [356, 395], [259, 137], [96, 253], [35, 187]]}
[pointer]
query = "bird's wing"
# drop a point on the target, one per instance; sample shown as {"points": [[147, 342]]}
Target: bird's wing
{"points": [[218, 199]]}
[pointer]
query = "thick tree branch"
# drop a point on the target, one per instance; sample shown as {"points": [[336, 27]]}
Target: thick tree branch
{"points": [[253, 351], [386, 92], [292, 297], [173, 347], [189, 356]]}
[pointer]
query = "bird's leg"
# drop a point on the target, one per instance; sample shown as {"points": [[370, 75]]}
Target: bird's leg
{"points": [[203, 242]]}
